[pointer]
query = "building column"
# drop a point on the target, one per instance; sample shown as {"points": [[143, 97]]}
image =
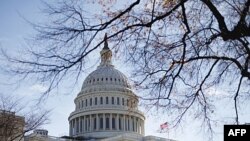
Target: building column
{"points": [[126, 125], [143, 127], [117, 121], [84, 123], [104, 121], [70, 128], [127, 122], [74, 127], [79, 124], [123, 123], [97, 122], [90, 122], [134, 124], [130, 123], [87, 128], [110, 121], [138, 125]]}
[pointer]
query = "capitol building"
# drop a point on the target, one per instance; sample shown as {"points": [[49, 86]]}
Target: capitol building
{"points": [[106, 108]]}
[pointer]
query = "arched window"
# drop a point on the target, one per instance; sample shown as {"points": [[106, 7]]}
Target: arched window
{"points": [[86, 102]]}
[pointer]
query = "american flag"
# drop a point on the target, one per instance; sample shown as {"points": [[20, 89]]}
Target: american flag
{"points": [[164, 125]]}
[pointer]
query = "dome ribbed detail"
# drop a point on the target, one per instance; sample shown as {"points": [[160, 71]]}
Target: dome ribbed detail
{"points": [[105, 76]]}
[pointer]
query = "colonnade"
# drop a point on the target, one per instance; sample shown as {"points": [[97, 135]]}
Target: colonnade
{"points": [[106, 122]]}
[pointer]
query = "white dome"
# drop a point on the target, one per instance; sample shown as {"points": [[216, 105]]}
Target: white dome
{"points": [[106, 75]]}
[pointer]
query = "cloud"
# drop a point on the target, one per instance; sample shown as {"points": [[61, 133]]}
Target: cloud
{"points": [[216, 92], [37, 88], [31, 90]]}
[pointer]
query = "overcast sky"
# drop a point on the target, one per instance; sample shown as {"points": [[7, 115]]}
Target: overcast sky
{"points": [[13, 32]]}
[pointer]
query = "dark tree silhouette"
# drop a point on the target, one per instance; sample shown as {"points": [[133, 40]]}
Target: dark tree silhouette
{"points": [[180, 49], [15, 121]]}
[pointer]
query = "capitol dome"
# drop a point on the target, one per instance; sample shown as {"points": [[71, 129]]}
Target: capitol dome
{"points": [[106, 106], [105, 76]]}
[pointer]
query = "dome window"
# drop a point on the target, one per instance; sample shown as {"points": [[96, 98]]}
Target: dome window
{"points": [[101, 100], [107, 100], [95, 100], [123, 101], [97, 79], [110, 79], [115, 79], [102, 79], [89, 81], [118, 101], [94, 80], [86, 102], [113, 100], [106, 79], [90, 102]]}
